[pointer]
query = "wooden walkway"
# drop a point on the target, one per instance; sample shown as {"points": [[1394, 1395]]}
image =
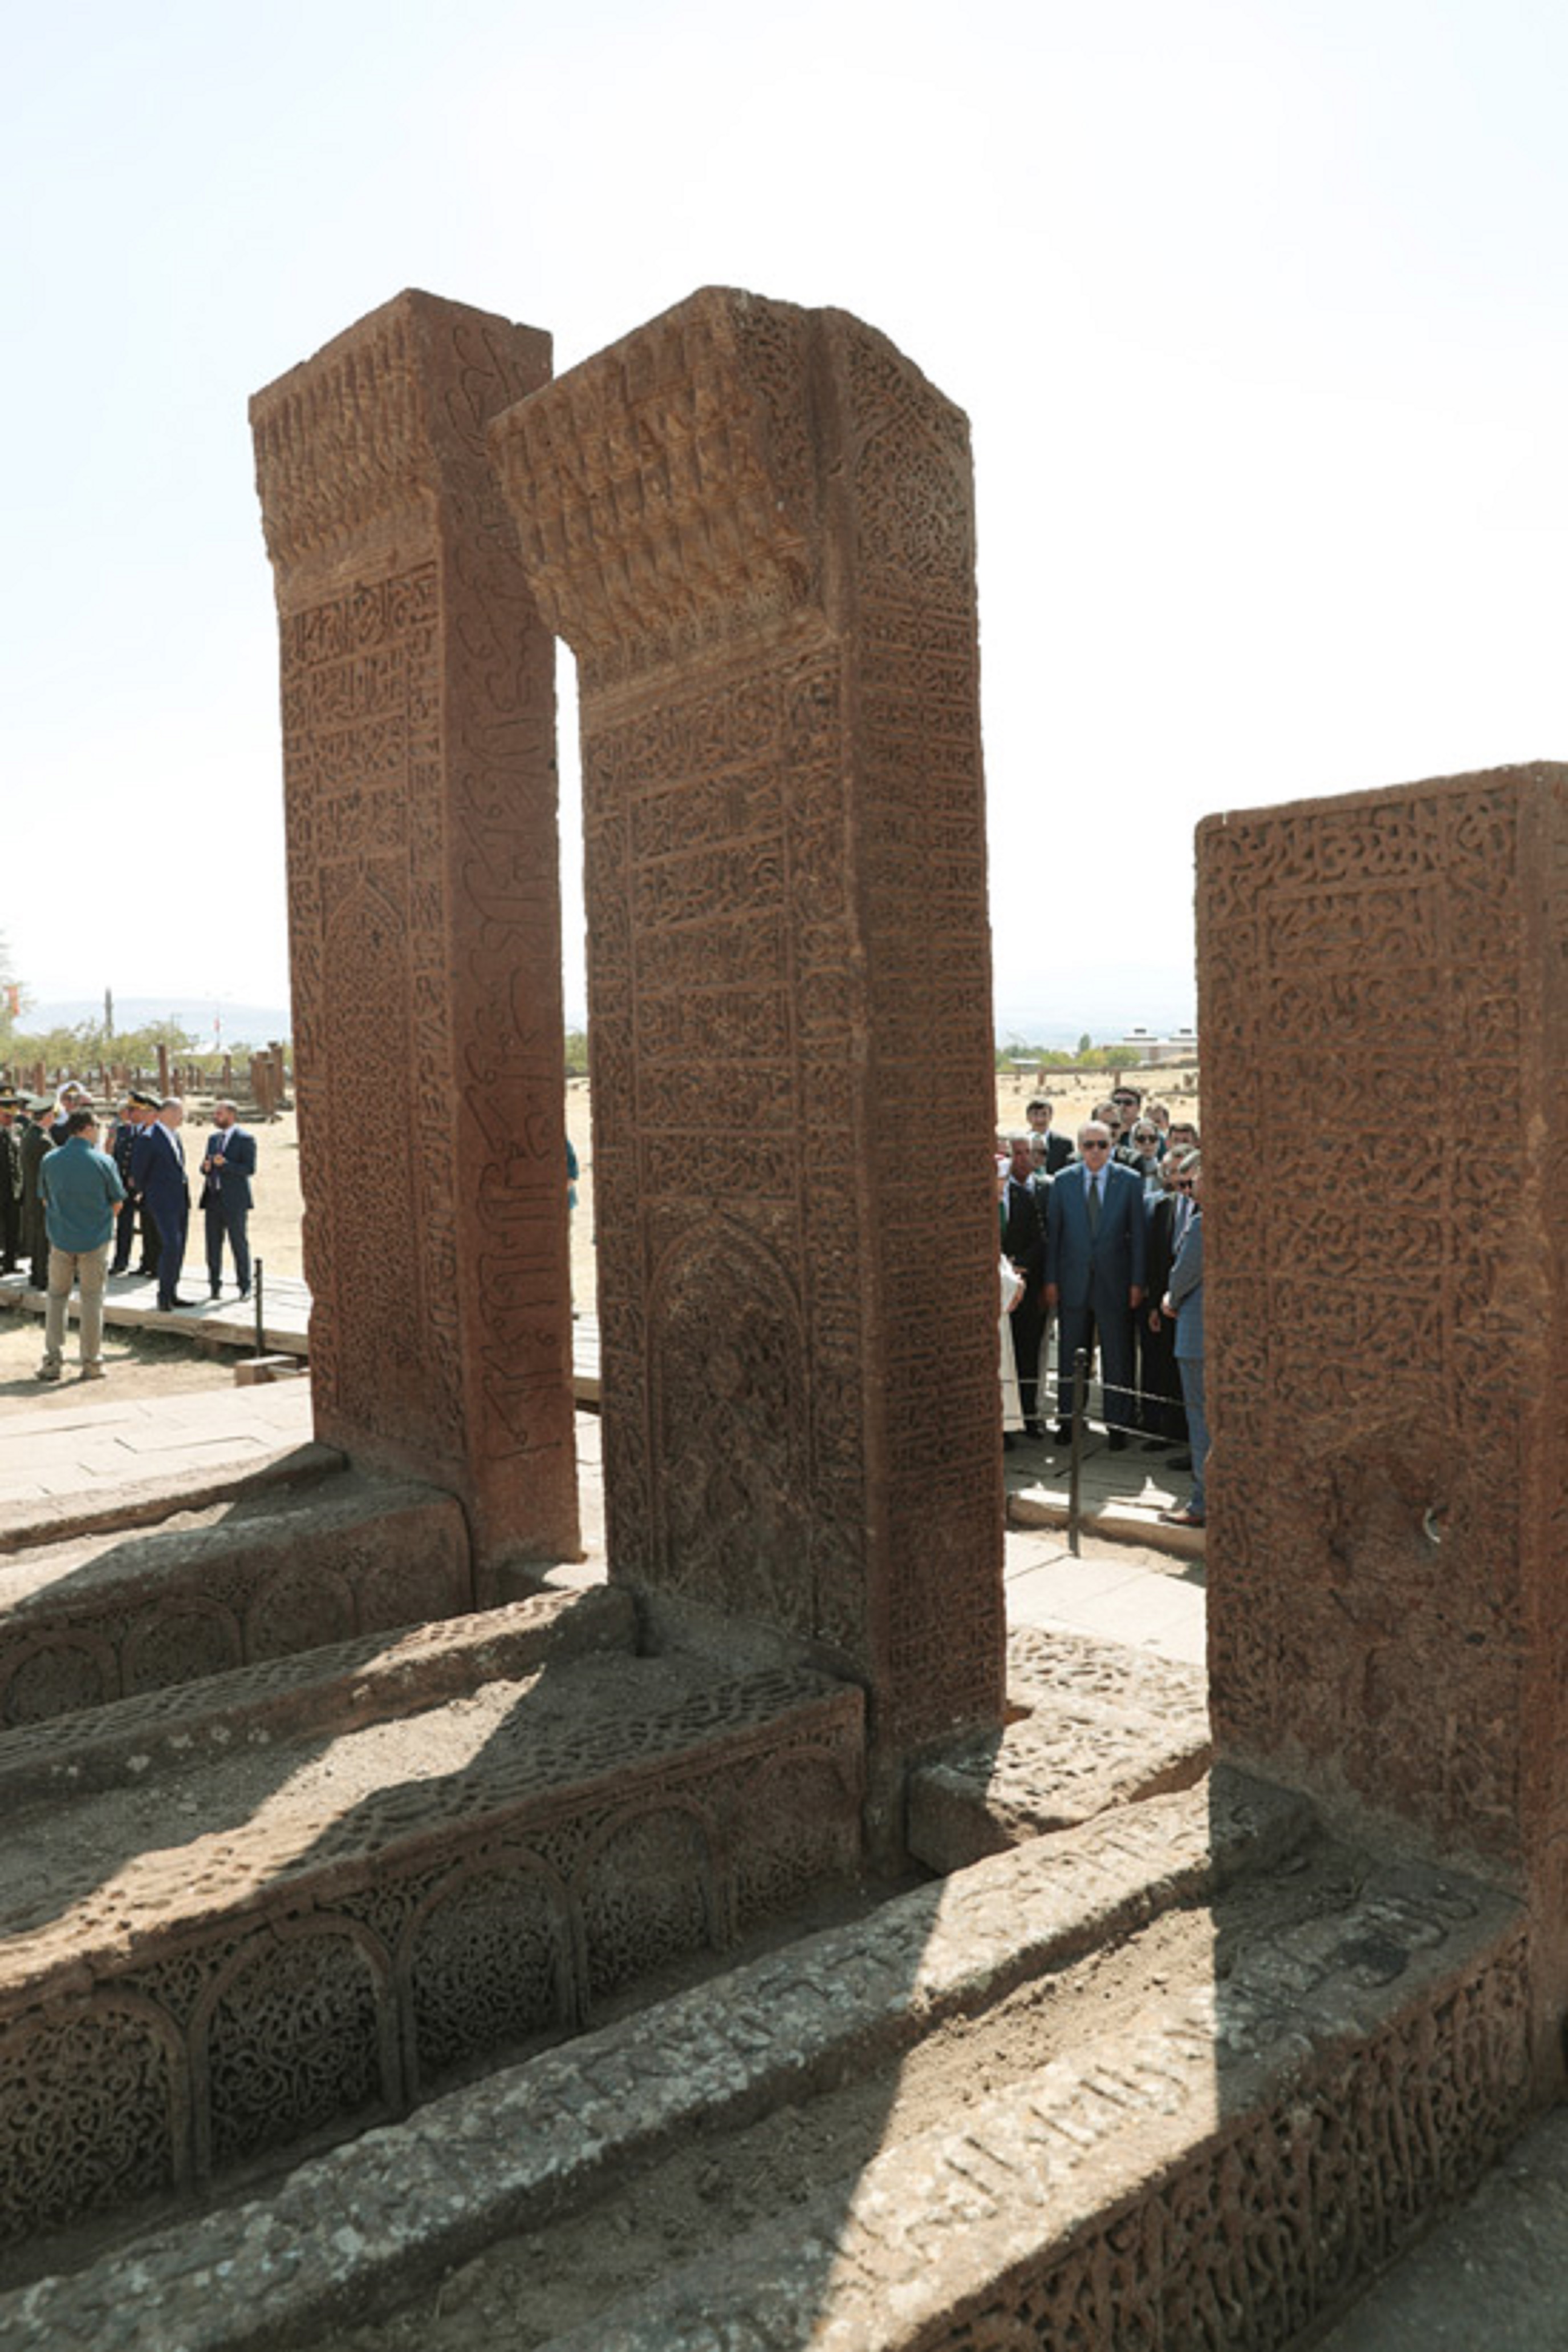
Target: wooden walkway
{"points": [[209, 1325]]}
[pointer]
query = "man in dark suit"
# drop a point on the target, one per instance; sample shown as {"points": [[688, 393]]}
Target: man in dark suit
{"points": [[1095, 1246], [136, 1111], [158, 1172], [1058, 1150], [32, 1150], [226, 1171], [1024, 1242], [10, 1181]]}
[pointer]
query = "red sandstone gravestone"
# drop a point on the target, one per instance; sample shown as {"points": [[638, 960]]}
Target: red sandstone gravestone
{"points": [[419, 769], [754, 526], [1387, 1340]]}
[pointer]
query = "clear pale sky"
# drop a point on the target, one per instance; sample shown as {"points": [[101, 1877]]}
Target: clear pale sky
{"points": [[1259, 313]]}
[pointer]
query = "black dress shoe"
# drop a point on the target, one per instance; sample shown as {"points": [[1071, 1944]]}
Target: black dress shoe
{"points": [[213, 1290], [1035, 1428], [1009, 1439], [1062, 1433], [167, 1306], [1180, 1462], [1116, 1442]]}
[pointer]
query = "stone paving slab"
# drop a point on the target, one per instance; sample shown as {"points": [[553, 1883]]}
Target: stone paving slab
{"points": [[114, 1461], [1106, 1725], [1118, 1503], [1204, 2175], [1132, 1596], [347, 2232], [334, 1688]]}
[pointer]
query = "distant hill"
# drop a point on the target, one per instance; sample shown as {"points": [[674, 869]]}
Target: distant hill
{"points": [[1034, 1029], [258, 1024], [246, 1024]]}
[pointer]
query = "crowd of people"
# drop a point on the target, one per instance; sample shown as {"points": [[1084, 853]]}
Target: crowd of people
{"points": [[1102, 1248], [70, 1192]]}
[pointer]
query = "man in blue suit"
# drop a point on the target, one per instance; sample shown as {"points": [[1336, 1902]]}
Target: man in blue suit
{"points": [[226, 1171], [158, 1173], [1095, 1244]]}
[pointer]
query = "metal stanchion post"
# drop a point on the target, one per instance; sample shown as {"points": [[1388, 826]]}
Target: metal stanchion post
{"points": [[260, 1321], [1075, 1472]]}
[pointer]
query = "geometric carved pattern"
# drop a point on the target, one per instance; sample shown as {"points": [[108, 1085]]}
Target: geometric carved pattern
{"points": [[486, 1968], [94, 2114], [790, 1804], [753, 524], [647, 1894], [418, 748], [453, 1931], [293, 2041], [726, 1374], [1272, 2222], [298, 1609], [171, 1607], [57, 1676], [1388, 1351]]}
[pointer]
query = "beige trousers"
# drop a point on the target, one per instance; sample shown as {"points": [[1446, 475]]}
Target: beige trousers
{"points": [[86, 1268]]}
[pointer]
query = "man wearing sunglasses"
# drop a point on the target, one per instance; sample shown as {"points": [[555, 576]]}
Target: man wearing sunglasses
{"points": [[1095, 1244]]}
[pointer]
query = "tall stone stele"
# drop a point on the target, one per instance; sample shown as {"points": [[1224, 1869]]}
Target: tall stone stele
{"points": [[1384, 982], [425, 926], [754, 526]]}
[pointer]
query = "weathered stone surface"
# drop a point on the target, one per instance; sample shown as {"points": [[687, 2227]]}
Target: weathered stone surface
{"points": [[1222, 2177], [754, 526], [332, 1689], [1104, 1726], [1045, 1668], [419, 774], [1496, 2274], [235, 1954], [1388, 1339], [88, 1622], [347, 2230]]}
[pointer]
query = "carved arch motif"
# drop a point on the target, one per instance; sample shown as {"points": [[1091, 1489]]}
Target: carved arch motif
{"points": [[730, 1406]]}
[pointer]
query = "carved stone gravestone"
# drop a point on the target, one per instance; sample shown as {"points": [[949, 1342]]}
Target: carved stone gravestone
{"points": [[1384, 983], [753, 524], [424, 892]]}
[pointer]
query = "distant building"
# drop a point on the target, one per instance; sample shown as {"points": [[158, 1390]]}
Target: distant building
{"points": [[1142, 1048]]}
